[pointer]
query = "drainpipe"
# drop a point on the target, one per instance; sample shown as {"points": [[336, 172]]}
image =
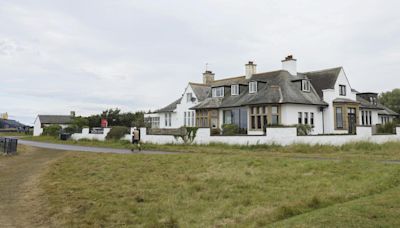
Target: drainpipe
{"points": [[323, 120]]}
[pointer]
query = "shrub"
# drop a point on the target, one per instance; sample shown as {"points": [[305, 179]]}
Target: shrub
{"points": [[215, 131], [230, 129], [52, 130], [117, 133], [303, 129], [388, 128]]}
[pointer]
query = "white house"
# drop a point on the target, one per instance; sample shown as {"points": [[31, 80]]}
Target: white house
{"points": [[323, 99], [43, 121]]}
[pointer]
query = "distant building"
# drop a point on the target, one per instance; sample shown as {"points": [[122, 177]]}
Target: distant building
{"points": [[43, 121]]}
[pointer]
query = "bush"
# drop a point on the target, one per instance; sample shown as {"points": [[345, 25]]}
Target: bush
{"points": [[52, 130], [230, 129], [303, 129], [388, 128], [117, 133]]}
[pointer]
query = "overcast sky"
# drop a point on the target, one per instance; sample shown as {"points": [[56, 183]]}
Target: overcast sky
{"points": [[87, 56]]}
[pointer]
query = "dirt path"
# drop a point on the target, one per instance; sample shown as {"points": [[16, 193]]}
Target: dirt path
{"points": [[19, 176]]}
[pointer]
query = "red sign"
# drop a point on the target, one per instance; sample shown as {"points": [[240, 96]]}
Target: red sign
{"points": [[104, 123]]}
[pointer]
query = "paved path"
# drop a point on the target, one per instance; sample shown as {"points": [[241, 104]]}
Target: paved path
{"points": [[55, 146]]}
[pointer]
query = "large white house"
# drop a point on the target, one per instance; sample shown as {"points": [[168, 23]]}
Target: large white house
{"points": [[322, 99]]}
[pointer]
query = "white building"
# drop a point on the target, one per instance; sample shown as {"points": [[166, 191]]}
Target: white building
{"points": [[43, 121], [322, 99]]}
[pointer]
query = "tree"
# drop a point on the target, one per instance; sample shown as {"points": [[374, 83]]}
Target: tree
{"points": [[391, 99]]}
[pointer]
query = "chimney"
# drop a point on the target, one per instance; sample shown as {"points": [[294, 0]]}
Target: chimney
{"points": [[208, 77], [72, 113], [250, 69], [290, 64]]}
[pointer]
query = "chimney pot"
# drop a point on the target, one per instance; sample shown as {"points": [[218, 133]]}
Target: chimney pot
{"points": [[290, 64]]}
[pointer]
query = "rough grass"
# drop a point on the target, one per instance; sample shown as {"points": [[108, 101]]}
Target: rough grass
{"points": [[210, 190]]}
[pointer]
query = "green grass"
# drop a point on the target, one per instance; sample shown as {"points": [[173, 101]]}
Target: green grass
{"points": [[217, 190], [12, 134]]}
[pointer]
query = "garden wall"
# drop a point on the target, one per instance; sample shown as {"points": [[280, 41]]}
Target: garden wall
{"points": [[280, 136]]}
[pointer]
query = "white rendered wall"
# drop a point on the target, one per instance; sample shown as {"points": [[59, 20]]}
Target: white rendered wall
{"points": [[37, 128], [331, 94], [289, 115], [185, 106], [280, 136], [86, 135]]}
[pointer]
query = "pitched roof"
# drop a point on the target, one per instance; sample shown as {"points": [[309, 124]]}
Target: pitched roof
{"points": [[55, 119], [200, 90], [323, 79], [169, 108], [275, 87], [387, 111]]}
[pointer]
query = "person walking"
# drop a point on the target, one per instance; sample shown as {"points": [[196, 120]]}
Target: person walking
{"points": [[136, 139]]}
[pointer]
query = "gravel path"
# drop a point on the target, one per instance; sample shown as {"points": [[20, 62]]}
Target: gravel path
{"points": [[86, 148]]}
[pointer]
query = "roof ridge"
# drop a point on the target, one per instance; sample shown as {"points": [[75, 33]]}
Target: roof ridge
{"points": [[224, 79], [317, 71], [199, 84]]}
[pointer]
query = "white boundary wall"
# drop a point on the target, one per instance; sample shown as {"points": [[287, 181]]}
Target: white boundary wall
{"points": [[280, 136], [100, 137]]}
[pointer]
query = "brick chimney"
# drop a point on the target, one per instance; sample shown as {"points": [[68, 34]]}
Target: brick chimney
{"points": [[250, 69], [290, 64], [208, 77]]}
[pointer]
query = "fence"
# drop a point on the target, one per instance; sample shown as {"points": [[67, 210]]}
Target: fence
{"points": [[8, 145]]}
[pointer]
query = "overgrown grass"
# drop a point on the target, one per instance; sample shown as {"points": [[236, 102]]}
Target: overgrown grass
{"points": [[206, 190]]}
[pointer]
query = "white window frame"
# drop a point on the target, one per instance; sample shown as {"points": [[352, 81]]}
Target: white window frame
{"points": [[342, 90], [253, 87], [235, 90], [305, 85], [218, 92]]}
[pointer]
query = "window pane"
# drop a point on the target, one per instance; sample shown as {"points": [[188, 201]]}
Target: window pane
{"points": [[274, 110], [275, 119]]}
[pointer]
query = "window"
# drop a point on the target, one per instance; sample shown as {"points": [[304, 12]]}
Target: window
{"points": [[189, 97], [342, 90], [305, 85], [300, 118], [234, 90], [306, 118], [339, 117], [218, 92], [153, 121], [370, 118], [168, 119], [275, 115], [312, 119], [362, 118], [253, 87], [202, 118], [228, 117]]}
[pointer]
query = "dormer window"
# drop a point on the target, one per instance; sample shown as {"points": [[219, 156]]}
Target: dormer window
{"points": [[234, 90], [253, 87], [342, 90], [305, 85], [373, 100], [218, 92]]}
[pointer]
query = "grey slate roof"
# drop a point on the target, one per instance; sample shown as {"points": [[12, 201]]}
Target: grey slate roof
{"points": [[275, 87], [387, 111], [324, 79], [366, 104], [169, 108], [55, 119], [201, 91]]}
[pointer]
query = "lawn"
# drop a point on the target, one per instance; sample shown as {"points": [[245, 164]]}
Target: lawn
{"points": [[218, 190]]}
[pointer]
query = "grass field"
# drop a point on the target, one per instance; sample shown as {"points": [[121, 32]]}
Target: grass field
{"points": [[353, 185], [213, 190]]}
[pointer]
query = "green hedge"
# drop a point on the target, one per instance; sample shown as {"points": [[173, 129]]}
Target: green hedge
{"points": [[117, 132], [52, 130]]}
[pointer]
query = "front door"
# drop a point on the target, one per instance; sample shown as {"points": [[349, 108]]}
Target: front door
{"points": [[214, 119], [352, 120]]}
